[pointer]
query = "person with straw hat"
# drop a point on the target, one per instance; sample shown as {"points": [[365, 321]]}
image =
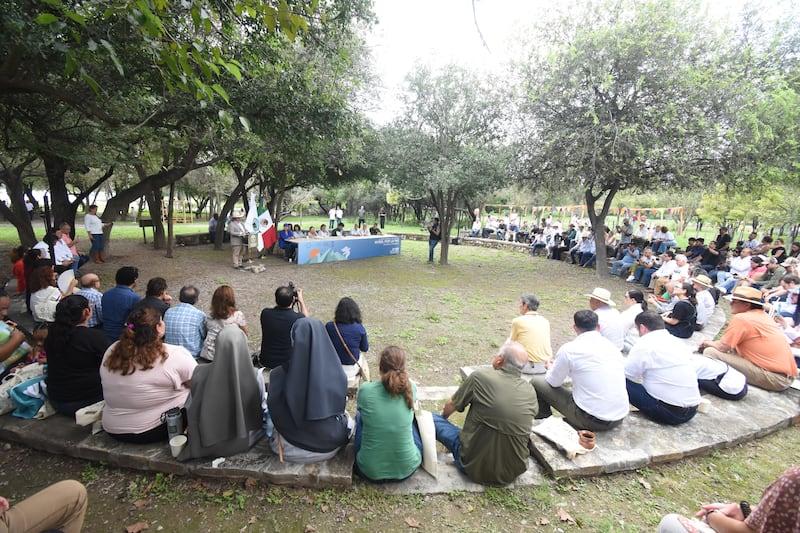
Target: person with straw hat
{"points": [[753, 344], [705, 300], [609, 318]]}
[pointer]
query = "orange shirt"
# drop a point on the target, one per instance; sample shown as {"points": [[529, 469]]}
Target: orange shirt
{"points": [[758, 339]]}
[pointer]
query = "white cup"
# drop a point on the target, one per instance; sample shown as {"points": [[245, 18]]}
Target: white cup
{"points": [[704, 405], [176, 444]]}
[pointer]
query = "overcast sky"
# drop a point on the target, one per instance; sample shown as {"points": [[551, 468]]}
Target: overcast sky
{"points": [[438, 32]]}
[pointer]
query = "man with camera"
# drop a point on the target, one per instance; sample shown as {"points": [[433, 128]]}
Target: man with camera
{"points": [[276, 325]]}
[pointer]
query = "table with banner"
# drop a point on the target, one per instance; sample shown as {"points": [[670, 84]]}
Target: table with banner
{"points": [[332, 249]]}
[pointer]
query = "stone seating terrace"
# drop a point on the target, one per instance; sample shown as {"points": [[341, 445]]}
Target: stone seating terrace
{"points": [[636, 443]]}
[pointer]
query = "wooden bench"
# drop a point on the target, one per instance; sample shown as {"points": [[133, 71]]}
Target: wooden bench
{"points": [[192, 239]]}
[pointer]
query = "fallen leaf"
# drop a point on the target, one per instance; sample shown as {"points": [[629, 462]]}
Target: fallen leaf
{"points": [[324, 508], [565, 517], [197, 485], [411, 522], [543, 521], [141, 503], [644, 484], [252, 520], [309, 529], [351, 518], [137, 527], [250, 482]]}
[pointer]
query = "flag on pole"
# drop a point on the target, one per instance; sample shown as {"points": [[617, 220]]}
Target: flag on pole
{"points": [[267, 230]]}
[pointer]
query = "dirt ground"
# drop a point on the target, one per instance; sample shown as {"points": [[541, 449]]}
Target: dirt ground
{"points": [[445, 317]]}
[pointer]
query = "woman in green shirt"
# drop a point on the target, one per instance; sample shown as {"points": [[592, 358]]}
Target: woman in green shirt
{"points": [[387, 442]]}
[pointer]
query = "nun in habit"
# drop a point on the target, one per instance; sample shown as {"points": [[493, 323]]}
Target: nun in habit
{"points": [[307, 397], [225, 410]]}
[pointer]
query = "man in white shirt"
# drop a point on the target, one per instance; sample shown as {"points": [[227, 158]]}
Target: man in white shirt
{"points": [[738, 267], [94, 227], [611, 326], [598, 399], [661, 379], [679, 273]]}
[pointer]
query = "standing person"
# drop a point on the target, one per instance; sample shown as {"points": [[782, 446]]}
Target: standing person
{"points": [[532, 330], [74, 352], [212, 227], [238, 235], [29, 207], [362, 214], [186, 324], [142, 378], [597, 399], [94, 227], [276, 326], [382, 217], [435, 235], [118, 302], [387, 444], [492, 447], [348, 336], [332, 217], [223, 312], [339, 214]]}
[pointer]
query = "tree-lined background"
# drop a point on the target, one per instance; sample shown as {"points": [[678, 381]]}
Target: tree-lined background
{"points": [[606, 102]]}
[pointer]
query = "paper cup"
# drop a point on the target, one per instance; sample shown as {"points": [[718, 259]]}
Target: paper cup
{"points": [[176, 444], [704, 405]]}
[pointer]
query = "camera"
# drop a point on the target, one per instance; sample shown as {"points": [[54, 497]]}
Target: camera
{"points": [[295, 300], [294, 289]]}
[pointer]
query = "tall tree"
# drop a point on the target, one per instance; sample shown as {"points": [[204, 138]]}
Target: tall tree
{"points": [[447, 144], [615, 100]]}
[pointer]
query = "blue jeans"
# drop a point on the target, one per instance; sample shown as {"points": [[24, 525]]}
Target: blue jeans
{"points": [[663, 246], [97, 243], [449, 435], [656, 410], [647, 276], [431, 245]]}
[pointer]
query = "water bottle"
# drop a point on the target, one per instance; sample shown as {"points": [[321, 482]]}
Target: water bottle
{"points": [[268, 425], [174, 419]]}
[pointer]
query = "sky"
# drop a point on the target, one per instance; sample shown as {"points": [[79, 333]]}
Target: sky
{"points": [[438, 32]]}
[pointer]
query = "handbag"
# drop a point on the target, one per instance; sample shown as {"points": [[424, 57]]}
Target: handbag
{"points": [[30, 397], [22, 375], [427, 433], [363, 369]]}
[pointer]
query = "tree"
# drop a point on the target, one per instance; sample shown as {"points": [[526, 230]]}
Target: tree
{"points": [[446, 145], [614, 100]]}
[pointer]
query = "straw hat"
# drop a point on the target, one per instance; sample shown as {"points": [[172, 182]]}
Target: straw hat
{"points": [[747, 294], [603, 295], [790, 261], [237, 213], [703, 280]]}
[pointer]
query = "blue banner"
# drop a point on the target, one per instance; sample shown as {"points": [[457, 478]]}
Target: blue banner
{"points": [[310, 251]]}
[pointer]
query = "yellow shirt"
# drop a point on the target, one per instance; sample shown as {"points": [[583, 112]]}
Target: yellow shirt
{"points": [[533, 332]]}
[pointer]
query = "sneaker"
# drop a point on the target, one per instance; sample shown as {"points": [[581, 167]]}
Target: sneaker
{"points": [[630, 278], [722, 290]]}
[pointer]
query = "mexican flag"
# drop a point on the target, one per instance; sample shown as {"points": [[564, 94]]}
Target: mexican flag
{"points": [[266, 227]]}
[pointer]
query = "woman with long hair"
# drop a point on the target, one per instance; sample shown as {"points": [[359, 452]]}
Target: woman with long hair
{"points": [[681, 320], [223, 312], [348, 336], [45, 295], [636, 303], [387, 442], [74, 352], [142, 378]]}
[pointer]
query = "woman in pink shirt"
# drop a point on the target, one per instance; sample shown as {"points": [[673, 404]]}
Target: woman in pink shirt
{"points": [[142, 378]]}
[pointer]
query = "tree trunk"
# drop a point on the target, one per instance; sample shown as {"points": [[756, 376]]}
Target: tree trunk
{"points": [[11, 177], [154, 202], [170, 220], [598, 225]]}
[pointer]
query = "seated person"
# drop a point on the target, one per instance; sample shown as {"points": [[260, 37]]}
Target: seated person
{"points": [[753, 344], [610, 320], [276, 326], [225, 411], [634, 304], [646, 261], [59, 507], [14, 350], [223, 313], [156, 296], [706, 304], [681, 319], [476, 226], [661, 380], [143, 378], [387, 444], [597, 399], [289, 248], [74, 352], [492, 448], [45, 294], [323, 232], [778, 511], [338, 231], [718, 378], [532, 330], [630, 255], [374, 230], [307, 398], [348, 336]]}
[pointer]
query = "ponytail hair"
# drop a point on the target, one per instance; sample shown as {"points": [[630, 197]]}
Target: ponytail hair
{"points": [[638, 296], [393, 374]]}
